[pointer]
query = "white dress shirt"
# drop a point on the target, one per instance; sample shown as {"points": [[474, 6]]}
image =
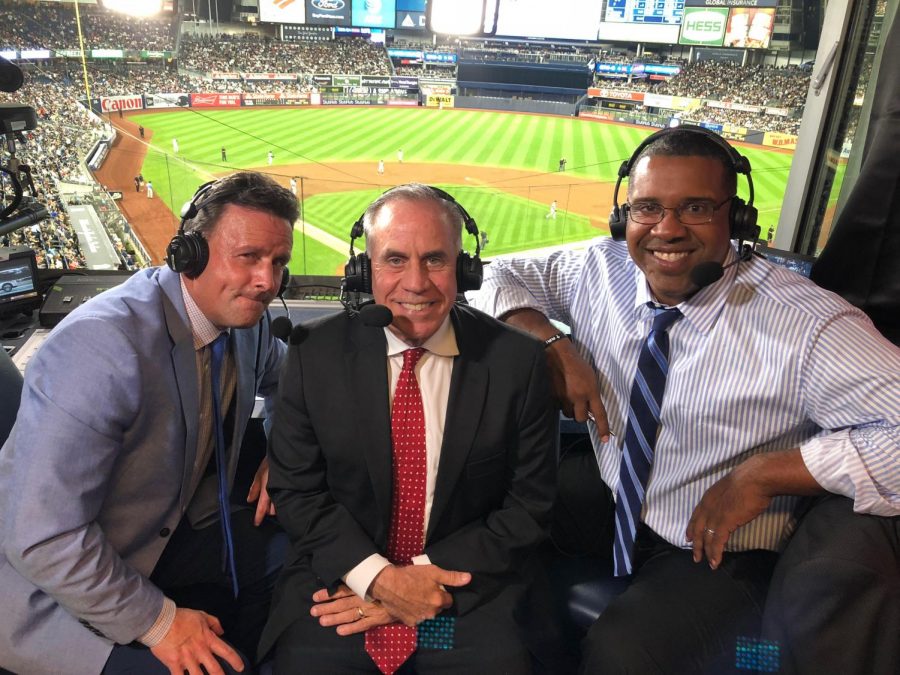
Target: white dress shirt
{"points": [[763, 360], [433, 373]]}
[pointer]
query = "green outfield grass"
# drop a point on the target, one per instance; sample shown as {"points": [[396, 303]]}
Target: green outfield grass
{"points": [[328, 136]]}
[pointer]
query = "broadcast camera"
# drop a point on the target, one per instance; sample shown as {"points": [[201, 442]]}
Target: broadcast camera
{"points": [[18, 269]]}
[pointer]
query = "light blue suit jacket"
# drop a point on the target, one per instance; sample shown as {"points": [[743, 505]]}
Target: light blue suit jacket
{"points": [[96, 472]]}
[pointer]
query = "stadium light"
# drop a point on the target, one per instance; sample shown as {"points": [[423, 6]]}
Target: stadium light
{"points": [[462, 17], [134, 7]]}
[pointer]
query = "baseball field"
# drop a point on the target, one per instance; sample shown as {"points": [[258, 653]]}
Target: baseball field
{"points": [[502, 167]]}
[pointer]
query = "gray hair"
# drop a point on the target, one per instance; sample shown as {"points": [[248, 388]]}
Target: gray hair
{"points": [[415, 192]]}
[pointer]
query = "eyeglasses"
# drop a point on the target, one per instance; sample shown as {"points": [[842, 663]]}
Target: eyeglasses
{"points": [[697, 212]]}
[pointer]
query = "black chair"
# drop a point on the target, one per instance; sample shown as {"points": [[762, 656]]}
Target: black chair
{"points": [[10, 393]]}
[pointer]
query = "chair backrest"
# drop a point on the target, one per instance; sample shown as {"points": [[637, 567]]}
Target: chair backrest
{"points": [[10, 393]]}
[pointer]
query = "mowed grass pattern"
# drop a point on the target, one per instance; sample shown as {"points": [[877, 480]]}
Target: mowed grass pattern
{"points": [[330, 136]]}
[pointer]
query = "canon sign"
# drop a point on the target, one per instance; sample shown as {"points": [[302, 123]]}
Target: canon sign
{"points": [[703, 26]]}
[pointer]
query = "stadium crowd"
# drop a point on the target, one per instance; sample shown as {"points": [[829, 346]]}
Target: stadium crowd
{"points": [[65, 132], [53, 26], [784, 87], [260, 54]]}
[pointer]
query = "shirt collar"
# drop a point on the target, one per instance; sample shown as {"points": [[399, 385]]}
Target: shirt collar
{"points": [[203, 330], [700, 310], [442, 343]]}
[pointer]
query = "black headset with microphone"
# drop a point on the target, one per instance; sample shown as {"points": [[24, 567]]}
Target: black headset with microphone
{"points": [[358, 270], [742, 215]]}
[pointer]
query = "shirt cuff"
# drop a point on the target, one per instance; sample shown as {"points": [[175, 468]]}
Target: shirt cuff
{"points": [[161, 626], [421, 559], [360, 578], [834, 461]]}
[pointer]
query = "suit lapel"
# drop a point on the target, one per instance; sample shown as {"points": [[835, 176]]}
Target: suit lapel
{"points": [[468, 393], [184, 365], [366, 363]]}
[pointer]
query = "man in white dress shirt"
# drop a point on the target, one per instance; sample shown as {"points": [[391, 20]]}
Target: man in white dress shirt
{"points": [[776, 390]]}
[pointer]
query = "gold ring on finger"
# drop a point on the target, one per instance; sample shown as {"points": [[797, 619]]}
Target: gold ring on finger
{"points": [[710, 531], [360, 612]]}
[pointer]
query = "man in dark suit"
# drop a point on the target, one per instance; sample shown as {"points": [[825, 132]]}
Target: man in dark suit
{"points": [[471, 493]]}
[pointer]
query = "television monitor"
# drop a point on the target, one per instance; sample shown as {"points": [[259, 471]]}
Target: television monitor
{"points": [[18, 280], [749, 27]]}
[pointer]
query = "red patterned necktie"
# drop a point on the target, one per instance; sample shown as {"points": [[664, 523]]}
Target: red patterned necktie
{"points": [[390, 646]]}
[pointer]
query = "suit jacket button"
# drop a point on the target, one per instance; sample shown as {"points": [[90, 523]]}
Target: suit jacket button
{"points": [[165, 532]]}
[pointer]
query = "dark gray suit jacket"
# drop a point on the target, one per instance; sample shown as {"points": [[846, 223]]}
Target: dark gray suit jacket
{"points": [[330, 460]]}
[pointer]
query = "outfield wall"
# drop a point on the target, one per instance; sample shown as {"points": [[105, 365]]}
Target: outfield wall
{"points": [[514, 105]]}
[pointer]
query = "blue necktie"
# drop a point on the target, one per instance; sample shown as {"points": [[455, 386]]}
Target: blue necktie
{"points": [[640, 435], [218, 356]]}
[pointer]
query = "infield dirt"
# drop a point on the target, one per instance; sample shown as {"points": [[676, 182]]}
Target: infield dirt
{"points": [[155, 223]]}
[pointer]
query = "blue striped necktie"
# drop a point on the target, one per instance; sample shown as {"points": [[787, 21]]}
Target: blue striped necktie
{"points": [[640, 434], [218, 356]]}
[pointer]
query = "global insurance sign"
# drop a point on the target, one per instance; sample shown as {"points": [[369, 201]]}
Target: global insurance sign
{"points": [[703, 26]]}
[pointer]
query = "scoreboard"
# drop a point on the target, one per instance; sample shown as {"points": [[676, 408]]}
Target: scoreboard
{"points": [[645, 11]]}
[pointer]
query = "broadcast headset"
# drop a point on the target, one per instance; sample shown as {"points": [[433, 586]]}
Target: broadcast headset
{"points": [[469, 269], [742, 215]]}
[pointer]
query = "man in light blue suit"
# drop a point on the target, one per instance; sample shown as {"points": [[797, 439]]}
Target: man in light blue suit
{"points": [[109, 480]]}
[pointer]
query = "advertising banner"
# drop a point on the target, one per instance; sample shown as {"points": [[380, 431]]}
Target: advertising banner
{"points": [[346, 80], [778, 140], [68, 53], [154, 54], [403, 101], [130, 102], [411, 20], [401, 82], [376, 81], [439, 101], [167, 100], [703, 26], [215, 100], [374, 13], [440, 57], [322, 79], [287, 77], [618, 94], [262, 99], [35, 54], [225, 76], [296, 99], [347, 101], [395, 53], [327, 12], [728, 105], [671, 102], [282, 11], [107, 53]]}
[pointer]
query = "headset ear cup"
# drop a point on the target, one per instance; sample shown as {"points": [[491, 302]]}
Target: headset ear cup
{"points": [[618, 221], [742, 221], [358, 274], [469, 272], [188, 254], [365, 272]]}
